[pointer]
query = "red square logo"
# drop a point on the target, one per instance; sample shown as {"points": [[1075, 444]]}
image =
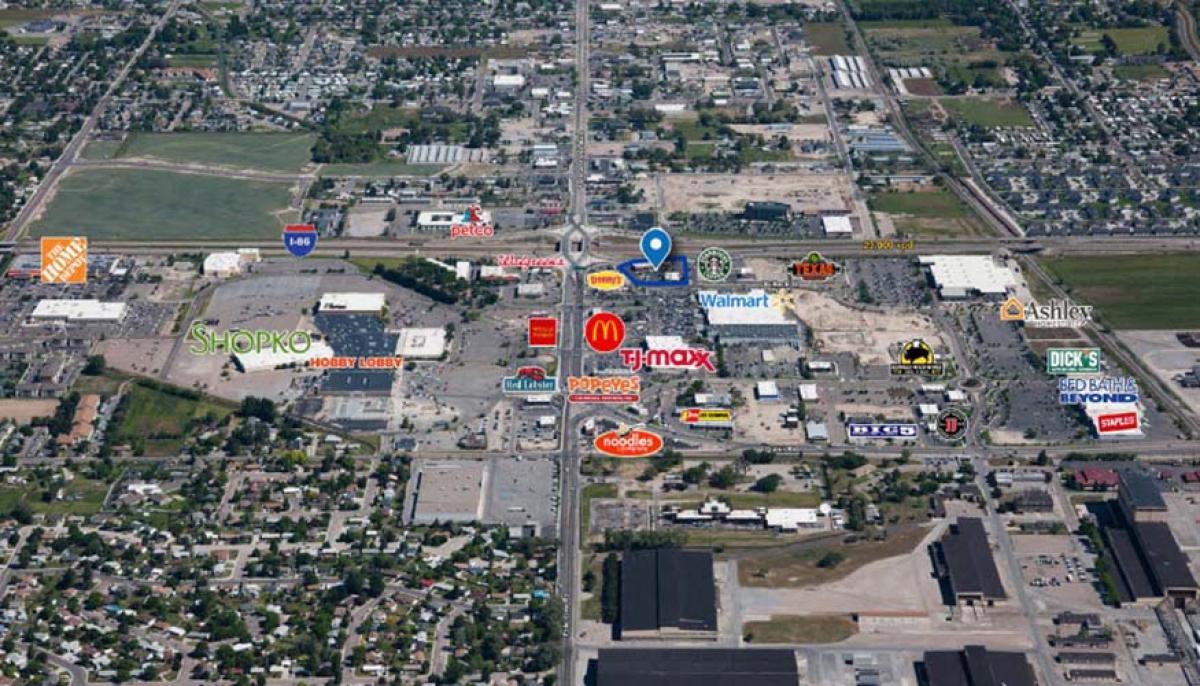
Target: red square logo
{"points": [[1124, 421], [543, 332]]}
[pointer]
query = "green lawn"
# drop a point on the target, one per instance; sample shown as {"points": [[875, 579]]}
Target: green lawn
{"points": [[931, 213], [385, 168], [377, 119], [80, 497], [115, 204], [1135, 291], [193, 60], [161, 419], [1140, 72], [800, 629], [988, 112], [101, 149], [282, 152], [1129, 41], [827, 38]]}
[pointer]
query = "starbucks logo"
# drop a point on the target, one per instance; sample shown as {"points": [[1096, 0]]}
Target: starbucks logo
{"points": [[714, 264]]}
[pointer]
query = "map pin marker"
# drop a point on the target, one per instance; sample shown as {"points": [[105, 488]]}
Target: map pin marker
{"points": [[656, 246]]}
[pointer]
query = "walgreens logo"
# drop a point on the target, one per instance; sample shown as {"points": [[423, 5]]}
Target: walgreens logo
{"points": [[632, 443]]}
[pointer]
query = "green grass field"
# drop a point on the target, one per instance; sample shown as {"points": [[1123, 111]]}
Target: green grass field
{"points": [[988, 112], [114, 204], [1129, 41], [101, 150], [161, 419], [196, 60], [386, 168], [1135, 291], [800, 629], [1140, 72], [283, 152], [827, 38], [80, 497], [931, 213]]}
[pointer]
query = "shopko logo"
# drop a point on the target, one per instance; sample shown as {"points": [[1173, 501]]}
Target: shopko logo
{"points": [[242, 341], [472, 225], [632, 443]]}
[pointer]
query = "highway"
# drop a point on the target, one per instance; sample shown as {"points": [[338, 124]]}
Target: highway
{"points": [[571, 360], [33, 208]]}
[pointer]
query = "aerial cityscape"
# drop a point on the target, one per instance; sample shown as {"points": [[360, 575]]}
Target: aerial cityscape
{"points": [[600, 342]]}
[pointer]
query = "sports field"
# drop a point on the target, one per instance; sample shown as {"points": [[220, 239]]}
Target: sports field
{"points": [[116, 204], [987, 112], [1135, 291], [283, 152]]}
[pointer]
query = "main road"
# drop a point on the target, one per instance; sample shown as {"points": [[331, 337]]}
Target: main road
{"points": [[571, 356]]}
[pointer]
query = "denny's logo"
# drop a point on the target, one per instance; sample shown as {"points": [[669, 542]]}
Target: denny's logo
{"points": [[630, 443], [606, 280], [64, 260]]}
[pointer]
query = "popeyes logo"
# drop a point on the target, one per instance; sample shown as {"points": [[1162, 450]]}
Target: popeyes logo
{"points": [[630, 443], [604, 389]]}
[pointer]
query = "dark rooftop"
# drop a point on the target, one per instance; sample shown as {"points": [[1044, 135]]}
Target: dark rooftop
{"points": [[977, 666], [668, 588], [1167, 562], [1141, 491], [1133, 582], [696, 667], [969, 560]]}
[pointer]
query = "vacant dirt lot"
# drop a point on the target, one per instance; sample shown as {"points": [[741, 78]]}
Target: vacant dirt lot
{"points": [[871, 335], [811, 193]]}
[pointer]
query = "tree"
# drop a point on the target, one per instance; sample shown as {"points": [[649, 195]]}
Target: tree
{"points": [[726, 477], [95, 365], [768, 484], [830, 560]]}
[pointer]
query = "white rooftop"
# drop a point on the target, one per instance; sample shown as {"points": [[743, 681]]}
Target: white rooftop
{"points": [[264, 360], [421, 343], [837, 225], [78, 310], [665, 342], [962, 274], [352, 302]]}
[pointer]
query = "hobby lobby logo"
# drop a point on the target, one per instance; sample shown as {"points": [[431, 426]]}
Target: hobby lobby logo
{"points": [[64, 260]]}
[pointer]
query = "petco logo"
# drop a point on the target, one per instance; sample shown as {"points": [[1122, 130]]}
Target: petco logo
{"points": [[472, 224], [679, 358]]}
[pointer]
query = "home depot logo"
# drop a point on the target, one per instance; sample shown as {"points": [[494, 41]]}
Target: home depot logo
{"points": [[64, 260], [630, 443]]}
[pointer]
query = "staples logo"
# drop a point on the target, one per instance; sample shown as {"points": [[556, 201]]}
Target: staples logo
{"points": [[604, 332], [631, 443], [1112, 423]]}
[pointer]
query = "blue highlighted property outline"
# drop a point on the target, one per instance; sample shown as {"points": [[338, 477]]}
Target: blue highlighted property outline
{"points": [[626, 268]]}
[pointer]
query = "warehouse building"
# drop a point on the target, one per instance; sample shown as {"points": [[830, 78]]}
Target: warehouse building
{"points": [[767, 211], [963, 561], [1150, 564], [266, 359], [667, 593], [965, 276], [78, 311], [696, 667], [978, 666], [334, 303], [447, 491], [746, 317], [421, 344]]}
